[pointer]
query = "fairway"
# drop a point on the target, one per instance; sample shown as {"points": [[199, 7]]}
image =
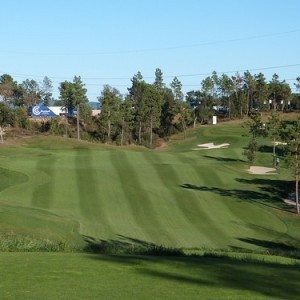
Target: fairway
{"points": [[68, 196], [178, 197]]}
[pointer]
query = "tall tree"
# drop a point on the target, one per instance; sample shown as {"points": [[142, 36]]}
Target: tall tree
{"points": [[136, 95], [126, 119], [73, 95], [176, 87], [237, 87], [159, 82], [46, 91], [250, 87], [151, 106], [168, 113], [261, 92], [216, 81], [226, 85], [30, 92], [279, 92], [207, 86], [291, 134], [110, 101], [7, 88]]}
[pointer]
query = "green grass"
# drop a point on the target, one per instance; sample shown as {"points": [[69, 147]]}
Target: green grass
{"points": [[82, 276], [65, 195]]}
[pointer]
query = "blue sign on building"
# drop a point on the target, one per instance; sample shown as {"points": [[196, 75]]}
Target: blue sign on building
{"points": [[42, 111]]}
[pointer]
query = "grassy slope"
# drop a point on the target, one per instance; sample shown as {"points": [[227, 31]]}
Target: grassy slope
{"points": [[176, 197], [179, 197]]}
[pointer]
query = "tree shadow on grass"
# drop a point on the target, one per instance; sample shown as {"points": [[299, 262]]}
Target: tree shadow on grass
{"points": [[270, 245], [279, 188], [217, 275], [224, 159], [127, 245], [244, 195], [269, 149]]}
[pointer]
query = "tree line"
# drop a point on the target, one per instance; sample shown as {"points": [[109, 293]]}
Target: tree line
{"points": [[148, 110]]}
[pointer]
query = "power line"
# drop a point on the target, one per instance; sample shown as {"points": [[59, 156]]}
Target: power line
{"points": [[152, 77], [206, 43]]}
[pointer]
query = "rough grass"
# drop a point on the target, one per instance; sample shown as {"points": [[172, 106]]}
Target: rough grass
{"points": [[10, 242]]}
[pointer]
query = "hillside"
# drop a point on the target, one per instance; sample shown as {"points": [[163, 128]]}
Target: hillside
{"points": [[67, 196], [177, 198]]}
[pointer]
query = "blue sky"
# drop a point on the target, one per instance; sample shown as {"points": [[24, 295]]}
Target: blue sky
{"points": [[107, 42]]}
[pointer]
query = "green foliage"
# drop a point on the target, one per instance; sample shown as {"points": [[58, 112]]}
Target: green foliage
{"points": [[7, 88], [250, 151], [176, 86], [31, 94], [159, 83], [273, 126], [46, 91], [57, 127], [256, 126], [290, 133], [72, 93], [110, 101], [7, 116], [156, 111], [279, 92]]}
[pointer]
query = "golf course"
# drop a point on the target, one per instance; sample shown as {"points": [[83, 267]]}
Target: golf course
{"points": [[75, 218]]}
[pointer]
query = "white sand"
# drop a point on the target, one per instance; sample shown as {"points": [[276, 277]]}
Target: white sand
{"points": [[279, 143], [211, 146], [289, 202], [261, 170]]}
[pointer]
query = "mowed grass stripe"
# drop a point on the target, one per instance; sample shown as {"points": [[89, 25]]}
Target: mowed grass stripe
{"points": [[139, 201], [235, 216], [90, 204], [174, 233], [186, 201], [186, 235], [43, 194], [113, 201], [216, 207]]}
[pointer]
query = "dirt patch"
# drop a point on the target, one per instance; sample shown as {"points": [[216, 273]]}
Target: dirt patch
{"points": [[211, 146], [161, 145], [257, 170]]}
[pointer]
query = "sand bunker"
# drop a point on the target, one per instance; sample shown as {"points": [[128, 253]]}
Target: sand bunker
{"points": [[211, 146], [289, 202], [261, 170], [279, 143]]}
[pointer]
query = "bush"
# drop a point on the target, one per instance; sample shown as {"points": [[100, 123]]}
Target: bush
{"points": [[21, 118], [7, 116]]}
